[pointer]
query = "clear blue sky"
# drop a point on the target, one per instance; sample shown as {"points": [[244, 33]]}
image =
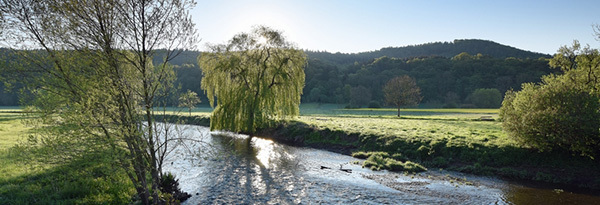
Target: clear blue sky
{"points": [[351, 26]]}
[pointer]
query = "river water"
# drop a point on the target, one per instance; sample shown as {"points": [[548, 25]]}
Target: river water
{"points": [[227, 168]]}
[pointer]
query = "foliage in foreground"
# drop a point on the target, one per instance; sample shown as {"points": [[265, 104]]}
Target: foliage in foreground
{"points": [[256, 77], [553, 116], [563, 111], [93, 79]]}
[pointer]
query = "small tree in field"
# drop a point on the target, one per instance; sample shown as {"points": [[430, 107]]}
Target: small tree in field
{"points": [[189, 100], [402, 91], [257, 77]]}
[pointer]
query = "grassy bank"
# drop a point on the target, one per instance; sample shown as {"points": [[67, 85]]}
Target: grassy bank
{"points": [[448, 139], [25, 180]]}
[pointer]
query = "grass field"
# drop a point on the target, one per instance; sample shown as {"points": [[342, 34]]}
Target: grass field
{"points": [[455, 130], [25, 180], [338, 110]]}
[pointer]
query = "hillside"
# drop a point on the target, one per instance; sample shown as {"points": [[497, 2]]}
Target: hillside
{"points": [[358, 78], [443, 49]]}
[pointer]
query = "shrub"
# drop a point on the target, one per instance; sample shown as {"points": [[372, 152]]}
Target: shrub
{"points": [[169, 186], [553, 115]]}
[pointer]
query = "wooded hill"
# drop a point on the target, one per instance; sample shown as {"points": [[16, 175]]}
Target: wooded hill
{"points": [[441, 49], [447, 72]]}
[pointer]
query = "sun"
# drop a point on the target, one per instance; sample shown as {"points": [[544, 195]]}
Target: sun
{"points": [[262, 41]]}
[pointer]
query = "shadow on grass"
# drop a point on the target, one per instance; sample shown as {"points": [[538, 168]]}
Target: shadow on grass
{"points": [[89, 180], [5, 117]]}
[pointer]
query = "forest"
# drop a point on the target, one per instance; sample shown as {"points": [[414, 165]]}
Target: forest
{"points": [[448, 73]]}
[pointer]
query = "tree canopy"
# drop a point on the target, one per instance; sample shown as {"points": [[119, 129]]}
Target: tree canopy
{"points": [[563, 111], [90, 68], [256, 77], [402, 91], [189, 100]]}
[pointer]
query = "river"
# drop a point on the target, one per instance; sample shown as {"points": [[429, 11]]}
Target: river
{"points": [[227, 168]]}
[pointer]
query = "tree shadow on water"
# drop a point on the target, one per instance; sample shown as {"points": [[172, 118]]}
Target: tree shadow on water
{"points": [[241, 177]]}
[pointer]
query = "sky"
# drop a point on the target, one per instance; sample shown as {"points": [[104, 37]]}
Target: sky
{"points": [[351, 26]]}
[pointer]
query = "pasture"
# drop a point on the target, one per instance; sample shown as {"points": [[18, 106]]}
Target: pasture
{"points": [[25, 179]]}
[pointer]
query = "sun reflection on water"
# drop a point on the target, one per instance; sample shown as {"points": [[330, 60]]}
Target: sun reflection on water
{"points": [[265, 151]]}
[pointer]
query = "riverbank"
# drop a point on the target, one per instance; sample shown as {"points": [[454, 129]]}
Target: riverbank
{"points": [[461, 144], [95, 180]]}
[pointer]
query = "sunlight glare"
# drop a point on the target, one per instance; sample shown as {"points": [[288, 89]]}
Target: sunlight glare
{"points": [[265, 150], [262, 41]]}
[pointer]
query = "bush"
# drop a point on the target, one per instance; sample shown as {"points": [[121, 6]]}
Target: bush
{"points": [[169, 186], [553, 115]]}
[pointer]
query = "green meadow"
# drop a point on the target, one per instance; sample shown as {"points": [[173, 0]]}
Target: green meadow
{"points": [[25, 179]]}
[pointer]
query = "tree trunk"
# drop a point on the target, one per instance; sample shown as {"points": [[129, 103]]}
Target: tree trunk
{"points": [[398, 111]]}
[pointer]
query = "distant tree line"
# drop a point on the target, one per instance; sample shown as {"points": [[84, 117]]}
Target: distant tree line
{"points": [[358, 79], [450, 82]]}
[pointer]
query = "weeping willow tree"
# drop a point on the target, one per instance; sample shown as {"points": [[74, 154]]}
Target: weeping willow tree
{"points": [[256, 78]]}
